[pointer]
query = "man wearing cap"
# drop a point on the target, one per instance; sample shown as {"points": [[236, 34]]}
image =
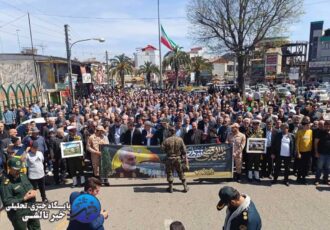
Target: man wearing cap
{"points": [[238, 140], [27, 141], [253, 159], [241, 213], [175, 150], [93, 146], [17, 189], [75, 164]]}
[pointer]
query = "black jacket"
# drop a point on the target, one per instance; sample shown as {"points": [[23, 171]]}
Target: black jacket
{"points": [[193, 139], [55, 147], [112, 132], [276, 145], [136, 139]]}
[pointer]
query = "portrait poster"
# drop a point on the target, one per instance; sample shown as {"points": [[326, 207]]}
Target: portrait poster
{"points": [[205, 161], [98, 74], [86, 78], [72, 149], [256, 145]]}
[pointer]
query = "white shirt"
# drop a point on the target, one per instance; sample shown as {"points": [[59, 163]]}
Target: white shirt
{"points": [[285, 146], [117, 135], [178, 133], [269, 138], [35, 165]]}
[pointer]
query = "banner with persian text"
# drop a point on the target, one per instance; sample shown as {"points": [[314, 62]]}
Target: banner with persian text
{"points": [[205, 161]]}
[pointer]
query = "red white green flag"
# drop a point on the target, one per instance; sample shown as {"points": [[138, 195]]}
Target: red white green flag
{"points": [[166, 40]]}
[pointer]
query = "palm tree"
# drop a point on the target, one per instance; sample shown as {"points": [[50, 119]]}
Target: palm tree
{"points": [[199, 64], [176, 58], [121, 65], [148, 68]]}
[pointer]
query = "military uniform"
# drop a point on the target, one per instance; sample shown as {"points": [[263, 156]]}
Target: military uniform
{"points": [[175, 150], [12, 191], [241, 216], [247, 219], [253, 159], [75, 164]]}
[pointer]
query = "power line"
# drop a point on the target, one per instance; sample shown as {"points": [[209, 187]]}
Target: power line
{"points": [[14, 20], [113, 19], [53, 23]]}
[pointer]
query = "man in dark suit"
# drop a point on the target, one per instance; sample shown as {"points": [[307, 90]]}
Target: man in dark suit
{"points": [[179, 130], [204, 124], [224, 130], [116, 131], [267, 162], [148, 134], [194, 136], [132, 136]]}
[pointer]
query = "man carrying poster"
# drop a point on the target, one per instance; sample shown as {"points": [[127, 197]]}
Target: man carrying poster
{"points": [[175, 151]]}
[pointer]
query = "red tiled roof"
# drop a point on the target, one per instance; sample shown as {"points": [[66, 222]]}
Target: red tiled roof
{"points": [[148, 48]]}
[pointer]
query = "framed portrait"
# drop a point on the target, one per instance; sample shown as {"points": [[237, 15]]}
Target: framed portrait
{"points": [[256, 145], [72, 149]]}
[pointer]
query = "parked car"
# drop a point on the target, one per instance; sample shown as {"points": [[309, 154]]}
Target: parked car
{"points": [[320, 95], [283, 92], [248, 92]]}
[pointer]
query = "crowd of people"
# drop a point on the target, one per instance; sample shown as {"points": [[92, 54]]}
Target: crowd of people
{"points": [[297, 134], [296, 131]]}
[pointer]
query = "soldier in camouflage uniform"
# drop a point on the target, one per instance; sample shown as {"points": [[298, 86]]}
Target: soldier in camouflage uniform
{"points": [[17, 189], [253, 159], [175, 151]]}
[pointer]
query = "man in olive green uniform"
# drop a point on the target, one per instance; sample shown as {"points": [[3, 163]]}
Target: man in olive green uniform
{"points": [[17, 189], [253, 159], [175, 151]]}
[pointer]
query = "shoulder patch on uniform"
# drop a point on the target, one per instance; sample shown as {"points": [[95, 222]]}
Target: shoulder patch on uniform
{"points": [[242, 227]]}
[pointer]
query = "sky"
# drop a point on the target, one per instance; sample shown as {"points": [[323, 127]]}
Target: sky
{"points": [[125, 25]]}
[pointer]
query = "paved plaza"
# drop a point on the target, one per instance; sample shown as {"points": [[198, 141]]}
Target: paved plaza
{"points": [[145, 205]]}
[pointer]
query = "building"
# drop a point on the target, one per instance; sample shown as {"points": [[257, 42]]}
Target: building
{"points": [[23, 81], [266, 60], [294, 61], [146, 54], [223, 67], [319, 52]]}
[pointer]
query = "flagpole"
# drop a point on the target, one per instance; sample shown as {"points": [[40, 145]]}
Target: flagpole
{"points": [[160, 51]]}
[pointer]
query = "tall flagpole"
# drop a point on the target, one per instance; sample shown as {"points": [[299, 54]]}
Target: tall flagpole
{"points": [[160, 51]]}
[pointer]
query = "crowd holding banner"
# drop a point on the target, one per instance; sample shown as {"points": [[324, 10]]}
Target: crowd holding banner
{"points": [[205, 161], [113, 126]]}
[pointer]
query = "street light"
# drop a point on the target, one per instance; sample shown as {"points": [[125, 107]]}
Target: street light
{"points": [[68, 51]]}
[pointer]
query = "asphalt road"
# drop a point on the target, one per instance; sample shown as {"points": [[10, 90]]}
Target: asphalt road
{"points": [[145, 205]]}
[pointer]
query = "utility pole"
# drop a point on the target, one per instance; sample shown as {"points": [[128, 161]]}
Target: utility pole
{"points": [[160, 51], [18, 41], [34, 60], [68, 53], [107, 65]]}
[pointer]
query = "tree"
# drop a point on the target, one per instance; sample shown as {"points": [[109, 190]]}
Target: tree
{"points": [[121, 65], [199, 64], [238, 25], [148, 68], [176, 58]]}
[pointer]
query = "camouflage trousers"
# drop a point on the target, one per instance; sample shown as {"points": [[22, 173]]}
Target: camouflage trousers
{"points": [[171, 165]]}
